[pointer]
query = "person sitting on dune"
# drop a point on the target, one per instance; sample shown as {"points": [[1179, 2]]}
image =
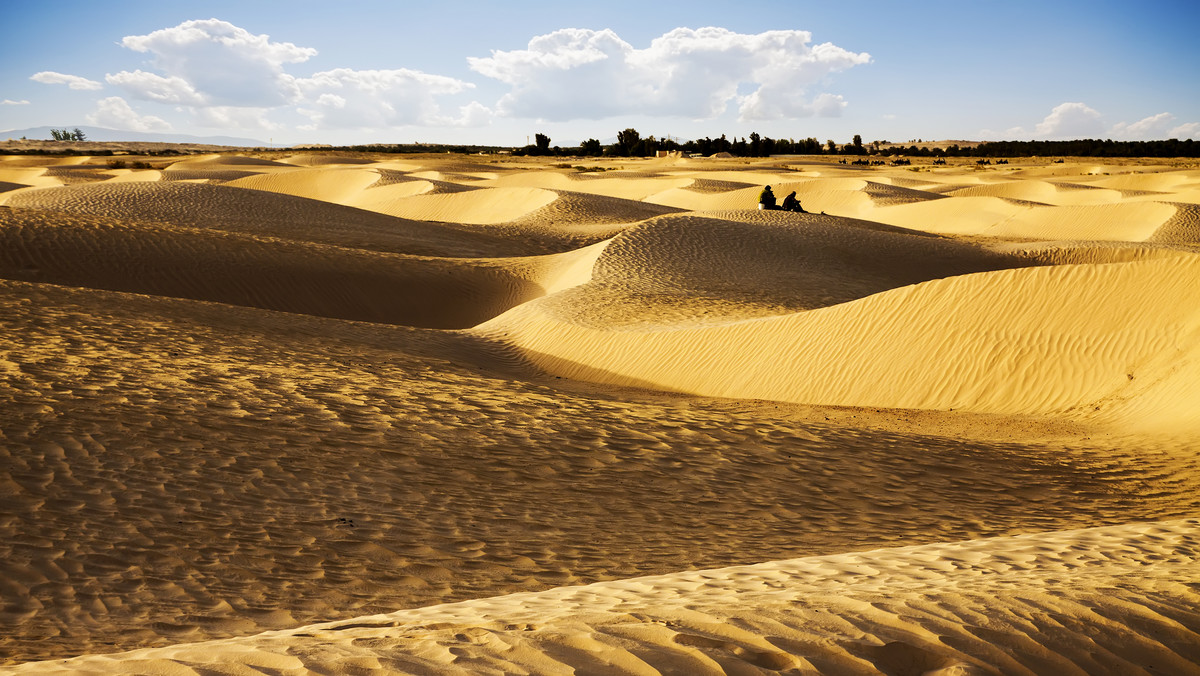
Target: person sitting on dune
{"points": [[790, 203], [766, 199]]}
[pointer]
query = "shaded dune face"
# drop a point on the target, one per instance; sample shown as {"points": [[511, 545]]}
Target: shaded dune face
{"points": [[268, 273], [400, 411]]}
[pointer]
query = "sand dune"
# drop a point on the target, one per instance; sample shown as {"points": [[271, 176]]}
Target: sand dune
{"points": [[1047, 192], [438, 414], [260, 213], [689, 269], [339, 186], [271, 274], [315, 160], [487, 205], [1013, 352]]}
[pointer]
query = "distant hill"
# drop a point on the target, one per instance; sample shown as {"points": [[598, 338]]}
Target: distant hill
{"points": [[116, 136]]}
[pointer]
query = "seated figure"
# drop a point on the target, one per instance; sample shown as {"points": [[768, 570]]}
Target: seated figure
{"points": [[766, 199], [790, 203]]}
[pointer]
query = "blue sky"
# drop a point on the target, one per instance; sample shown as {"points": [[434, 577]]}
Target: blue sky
{"points": [[495, 72]]}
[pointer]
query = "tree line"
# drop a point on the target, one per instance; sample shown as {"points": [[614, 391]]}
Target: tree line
{"points": [[1078, 148], [631, 144]]}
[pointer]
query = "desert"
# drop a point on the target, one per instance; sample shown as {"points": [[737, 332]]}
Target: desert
{"points": [[297, 411]]}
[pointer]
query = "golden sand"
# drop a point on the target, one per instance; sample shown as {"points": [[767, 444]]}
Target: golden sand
{"points": [[469, 415]]}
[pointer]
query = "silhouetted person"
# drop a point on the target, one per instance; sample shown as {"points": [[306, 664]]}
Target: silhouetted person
{"points": [[766, 199], [790, 203]]}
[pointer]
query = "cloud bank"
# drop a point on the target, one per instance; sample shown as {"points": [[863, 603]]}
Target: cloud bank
{"points": [[227, 76], [585, 74], [345, 98], [213, 62]]}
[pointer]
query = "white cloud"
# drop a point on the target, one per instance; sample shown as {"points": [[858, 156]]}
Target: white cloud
{"points": [[1191, 130], [10, 102], [229, 77], [1071, 120], [1153, 127], [584, 74], [72, 81], [1156, 127], [345, 98], [213, 62], [115, 112], [157, 88], [474, 114]]}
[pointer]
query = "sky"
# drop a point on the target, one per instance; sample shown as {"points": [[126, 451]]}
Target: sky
{"points": [[497, 72]]}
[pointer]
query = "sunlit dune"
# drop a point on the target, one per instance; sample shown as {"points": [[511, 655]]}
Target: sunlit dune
{"points": [[332, 412]]}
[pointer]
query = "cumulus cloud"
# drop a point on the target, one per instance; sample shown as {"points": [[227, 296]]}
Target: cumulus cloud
{"points": [[584, 74], [213, 62], [1153, 127], [10, 102], [1071, 120], [116, 113], [1074, 120], [153, 87], [72, 81], [346, 98], [1186, 131], [228, 76]]}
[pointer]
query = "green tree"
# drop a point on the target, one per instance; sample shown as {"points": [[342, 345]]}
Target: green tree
{"points": [[543, 144], [627, 140], [77, 135], [591, 148]]}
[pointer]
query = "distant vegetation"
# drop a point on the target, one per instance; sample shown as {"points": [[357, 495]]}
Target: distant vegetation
{"points": [[1081, 148], [75, 134], [631, 144], [121, 164]]}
